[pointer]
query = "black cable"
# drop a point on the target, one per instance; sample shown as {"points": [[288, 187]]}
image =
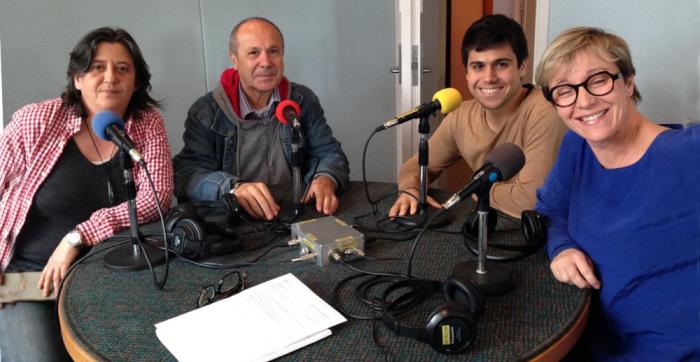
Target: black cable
{"points": [[418, 237], [382, 259], [381, 224], [374, 209], [363, 291], [158, 284], [376, 304], [407, 220], [513, 252], [336, 298], [364, 173], [521, 252], [254, 261], [368, 272]]}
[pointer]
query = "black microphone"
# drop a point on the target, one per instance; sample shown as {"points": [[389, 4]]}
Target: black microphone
{"points": [[502, 163], [109, 126], [446, 100], [288, 112]]}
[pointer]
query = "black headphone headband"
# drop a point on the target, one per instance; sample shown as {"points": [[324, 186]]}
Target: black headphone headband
{"points": [[533, 228], [450, 327], [420, 290]]}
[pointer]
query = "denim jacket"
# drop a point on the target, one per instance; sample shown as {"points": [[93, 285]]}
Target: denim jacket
{"points": [[205, 168]]}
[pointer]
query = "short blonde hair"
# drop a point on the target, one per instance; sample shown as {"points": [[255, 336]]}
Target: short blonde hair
{"points": [[562, 50]]}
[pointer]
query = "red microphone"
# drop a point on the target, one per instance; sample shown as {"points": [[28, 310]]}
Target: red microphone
{"points": [[287, 112]]}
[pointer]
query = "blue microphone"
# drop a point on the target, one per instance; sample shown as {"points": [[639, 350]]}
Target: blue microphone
{"points": [[502, 163], [109, 126]]}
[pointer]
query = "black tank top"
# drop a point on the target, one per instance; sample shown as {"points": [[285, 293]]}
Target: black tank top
{"points": [[70, 194]]}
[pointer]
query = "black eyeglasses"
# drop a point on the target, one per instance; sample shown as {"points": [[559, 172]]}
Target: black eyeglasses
{"points": [[598, 84], [227, 286]]}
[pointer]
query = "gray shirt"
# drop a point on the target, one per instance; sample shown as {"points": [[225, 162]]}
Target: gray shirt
{"points": [[262, 153]]}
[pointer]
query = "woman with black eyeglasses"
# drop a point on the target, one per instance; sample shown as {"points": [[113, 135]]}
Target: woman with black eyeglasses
{"points": [[623, 204]]}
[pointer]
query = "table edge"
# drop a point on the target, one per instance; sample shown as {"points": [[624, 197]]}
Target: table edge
{"points": [[562, 345], [75, 348]]}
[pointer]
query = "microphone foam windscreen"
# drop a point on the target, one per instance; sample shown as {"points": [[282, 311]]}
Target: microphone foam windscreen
{"points": [[279, 111], [508, 158], [102, 120], [449, 99]]}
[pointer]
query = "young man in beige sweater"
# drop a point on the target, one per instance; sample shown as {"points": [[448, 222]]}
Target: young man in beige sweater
{"points": [[504, 110]]}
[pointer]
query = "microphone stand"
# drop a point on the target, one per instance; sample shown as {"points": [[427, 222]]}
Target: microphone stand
{"points": [[131, 257], [296, 171], [492, 278], [424, 130], [425, 212]]}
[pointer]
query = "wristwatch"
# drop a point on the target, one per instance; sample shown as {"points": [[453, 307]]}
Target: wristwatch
{"points": [[235, 187], [74, 239]]}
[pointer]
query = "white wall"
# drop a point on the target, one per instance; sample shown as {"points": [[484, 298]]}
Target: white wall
{"points": [[343, 50], [664, 37]]}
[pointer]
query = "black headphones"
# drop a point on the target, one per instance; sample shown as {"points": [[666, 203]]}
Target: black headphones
{"points": [[532, 224], [188, 232], [451, 326]]}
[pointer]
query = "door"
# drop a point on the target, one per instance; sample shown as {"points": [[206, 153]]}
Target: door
{"points": [[420, 70]]}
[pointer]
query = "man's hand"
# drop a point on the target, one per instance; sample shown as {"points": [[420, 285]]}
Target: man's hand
{"points": [[572, 266], [256, 200], [407, 204], [57, 266], [323, 190]]}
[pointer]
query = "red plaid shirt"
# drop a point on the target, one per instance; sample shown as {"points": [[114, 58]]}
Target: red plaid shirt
{"points": [[31, 145]]}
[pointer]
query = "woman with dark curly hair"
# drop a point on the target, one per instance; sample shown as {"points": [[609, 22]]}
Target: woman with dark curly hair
{"points": [[61, 186]]}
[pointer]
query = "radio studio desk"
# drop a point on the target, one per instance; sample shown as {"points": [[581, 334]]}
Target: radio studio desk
{"points": [[107, 315]]}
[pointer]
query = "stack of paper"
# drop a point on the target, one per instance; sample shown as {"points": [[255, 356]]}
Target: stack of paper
{"points": [[258, 324]]}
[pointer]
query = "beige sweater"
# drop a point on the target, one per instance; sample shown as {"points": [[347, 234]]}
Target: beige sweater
{"points": [[535, 127]]}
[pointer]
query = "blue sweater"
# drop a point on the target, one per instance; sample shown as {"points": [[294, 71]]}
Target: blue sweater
{"points": [[640, 225]]}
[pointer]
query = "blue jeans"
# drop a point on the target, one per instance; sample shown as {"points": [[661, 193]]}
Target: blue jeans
{"points": [[29, 331]]}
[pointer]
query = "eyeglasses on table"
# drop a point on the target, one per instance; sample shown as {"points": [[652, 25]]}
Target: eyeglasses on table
{"points": [[227, 286]]}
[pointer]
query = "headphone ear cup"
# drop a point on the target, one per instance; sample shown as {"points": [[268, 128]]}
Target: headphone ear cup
{"points": [[450, 328], [471, 224], [534, 227], [465, 292], [188, 238]]}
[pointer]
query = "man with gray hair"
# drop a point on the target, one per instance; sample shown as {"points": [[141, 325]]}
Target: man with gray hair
{"points": [[234, 145]]}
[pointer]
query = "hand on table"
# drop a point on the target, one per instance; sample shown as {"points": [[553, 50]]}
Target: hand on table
{"points": [[256, 199], [572, 266], [323, 190], [57, 266], [408, 205]]}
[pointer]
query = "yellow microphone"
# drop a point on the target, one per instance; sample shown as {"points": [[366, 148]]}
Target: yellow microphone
{"points": [[445, 100]]}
